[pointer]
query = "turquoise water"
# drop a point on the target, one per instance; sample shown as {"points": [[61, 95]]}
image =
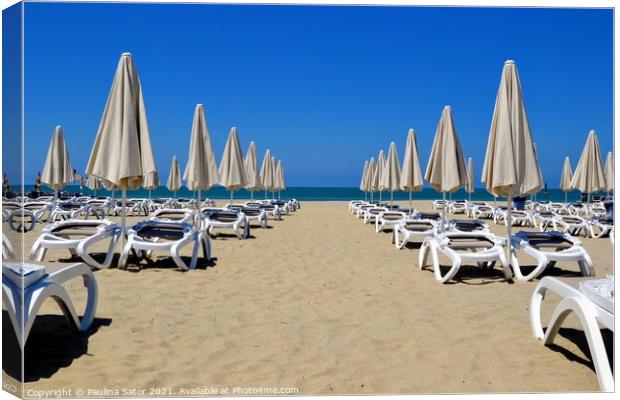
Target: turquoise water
{"points": [[317, 194]]}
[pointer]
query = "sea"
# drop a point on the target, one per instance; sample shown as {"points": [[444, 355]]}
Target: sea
{"points": [[304, 193]]}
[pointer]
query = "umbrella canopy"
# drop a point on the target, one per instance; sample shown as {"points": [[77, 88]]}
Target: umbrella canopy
{"points": [[121, 155], [589, 176], [391, 173], [609, 172], [201, 170], [364, 180], [232, 168], [410, 174], [379, 168], [93, 183], [567, 174], [446, 171], [266, 173], [174, 176], [251, 169], [280, 182], [57, 171], [469, 188], [372, 184], [510, 165]]}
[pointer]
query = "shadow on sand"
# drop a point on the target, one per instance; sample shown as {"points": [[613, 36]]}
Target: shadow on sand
{"points": [[51, 345]]}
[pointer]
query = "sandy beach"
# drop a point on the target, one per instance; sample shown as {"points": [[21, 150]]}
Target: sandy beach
{"points": [[319, 303]]}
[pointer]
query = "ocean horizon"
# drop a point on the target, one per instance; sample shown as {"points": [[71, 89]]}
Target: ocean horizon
{"points": [[313, 193]]}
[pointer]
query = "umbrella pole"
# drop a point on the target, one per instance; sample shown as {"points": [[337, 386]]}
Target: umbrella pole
{"points": [[123, 221], [443, 211], [231, 197], [410, 204], [252, 195], [380, 193], [265, 194], [509, 230], [391, 199], [565, 197]]}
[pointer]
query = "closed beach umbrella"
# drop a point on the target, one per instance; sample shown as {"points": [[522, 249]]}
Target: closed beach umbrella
{"points": [[391, 173], [57, 171], [252, 172], [411, 174], [510, 165], [174, 177], [589, 176], [280, 183], [609, 172], [364, 180], [121, 155], [567, 174], [232, 168], [266, 174], [469, 188], [274, 175], [152, 183], [93, 184], [201, 170], [378, 173], [446, 171], [372, 184]]}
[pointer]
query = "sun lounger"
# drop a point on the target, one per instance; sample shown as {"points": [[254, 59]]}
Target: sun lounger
{"points": [[467, 225], [174, 214], [389, 219], [77, 236], [439, 204], [18, 218], [226, 219], [591, 300], [408, 230], [603, 225], [252, 214], [70, 210], [484, 249], [573, 225], [548, 248], [170, 237], [26, 286], [457, 207], [371, 214]]}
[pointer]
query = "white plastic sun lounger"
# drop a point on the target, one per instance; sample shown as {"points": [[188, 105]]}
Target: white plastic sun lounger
{"points": [[174, 215], [603, 225], [371, 214], [77, 236], [389, 219], [26, 286], [543, 220], [68, 210], [407, 231], [548, 248], [457, 207], [20, 219], [439, 204], [225, 219], [461, 248], [591, 300], [467, 225], [170, 237], [573, 225], [253, 214]]}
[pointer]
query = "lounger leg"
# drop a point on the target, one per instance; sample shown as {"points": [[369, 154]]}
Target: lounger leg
{"points": [[593, 336], [456, 265]]}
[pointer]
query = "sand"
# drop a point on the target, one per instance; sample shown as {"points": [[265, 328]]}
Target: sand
{"points": [[321, 304]]}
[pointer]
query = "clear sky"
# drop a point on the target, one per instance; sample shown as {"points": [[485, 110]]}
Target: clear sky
{"points": [[324, 88]]}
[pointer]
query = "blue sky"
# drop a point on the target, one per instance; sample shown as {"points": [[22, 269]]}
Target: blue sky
{"points": [[324, 88]]}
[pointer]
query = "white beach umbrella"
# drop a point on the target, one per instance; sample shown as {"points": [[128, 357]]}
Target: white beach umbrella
{"points": [[567, 174], [378, 173], [266, 174], [251, 170], [589, 176], [510, 164], [391, 173], [122, 156], [372, 184], [446, 171], [232, 168], [201, 170], [274, 175], [609, 172], [280, 183], [411, 174], [57, 171], [174, 177], [470, 188], [364, 180]]}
